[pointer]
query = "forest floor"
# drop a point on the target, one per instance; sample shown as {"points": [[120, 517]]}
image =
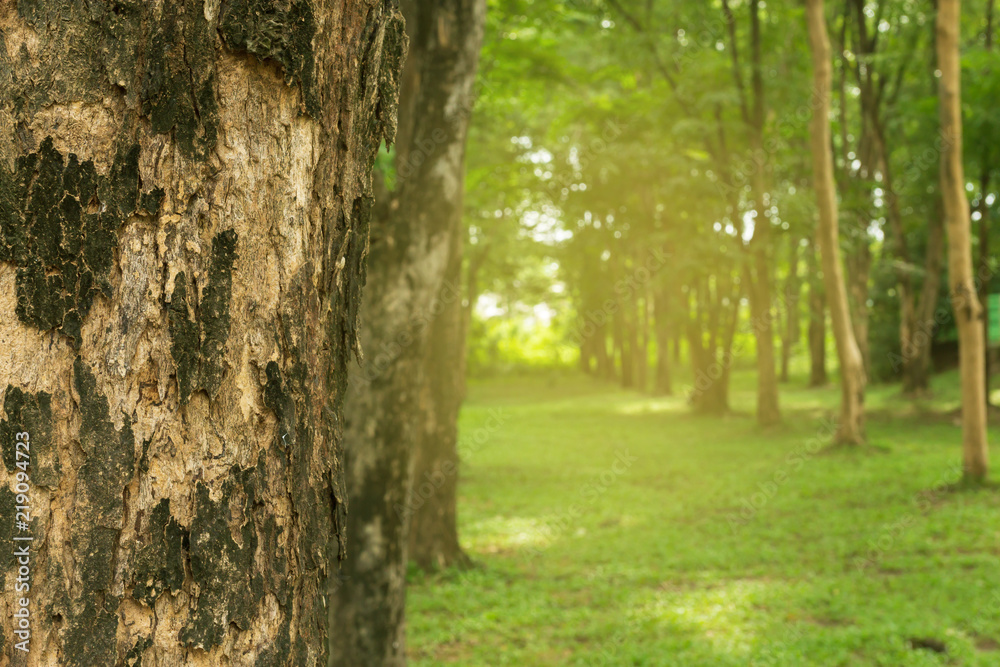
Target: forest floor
{"points": [[612, 528]]}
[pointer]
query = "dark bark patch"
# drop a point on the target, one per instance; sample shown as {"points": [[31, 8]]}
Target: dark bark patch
{"points": [[7, 511], [393, 50], [281, 404], [178, 86], [229, 584], [160, 564], [161, 56], [198, 344], [134, 656], [63, 252], [31, 413], [92, 623], [278, 30]]}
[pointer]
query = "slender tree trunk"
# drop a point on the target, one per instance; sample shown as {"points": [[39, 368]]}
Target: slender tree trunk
{"points": [[768, 410], [858, 265], [662, 327], [605, 362], [184, 228], [983, 274], [631, 343], [642, 356], [432, 506], [986, 168], [917, 356], [817, 321], [850, 429], [793, 290], [412, 241], [968, 310]]}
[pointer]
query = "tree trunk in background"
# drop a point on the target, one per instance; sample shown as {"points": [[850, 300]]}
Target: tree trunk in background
{"points": [[711, 329], [968, 310], [859, 264], [662, 326], [411, 242], [793, 289], [432, 506], [850, 428], [768, 410], [642, 355], [817, 321], [983, 275], [605, 362], [183, 227], [986, 167], [916, 352], [632, 342]]}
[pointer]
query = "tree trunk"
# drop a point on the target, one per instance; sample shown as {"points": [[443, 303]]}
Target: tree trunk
{"points": [[986, 168], [183, 228], [817, 322], [968, 310], [412, 243], [793, 289], [859, 264], [917, 352], [983, 274], [850, 429], [432, 514], [642, 355], [768, 410], [662, 326], [711, 329]]}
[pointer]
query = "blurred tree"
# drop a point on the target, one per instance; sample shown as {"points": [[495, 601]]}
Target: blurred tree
{"points": [[850, 427], [413, 244], [965, 301]]}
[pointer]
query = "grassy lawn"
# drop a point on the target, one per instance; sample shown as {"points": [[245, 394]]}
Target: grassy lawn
{"points": [[612, 528]]}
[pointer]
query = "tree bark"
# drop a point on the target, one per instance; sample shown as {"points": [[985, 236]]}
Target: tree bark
{"points": [[968, 310], [850, 429], [184, 201], [412, 241]]}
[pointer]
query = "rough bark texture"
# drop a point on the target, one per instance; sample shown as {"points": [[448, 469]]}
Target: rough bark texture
{"points": [[968, 310], [411, 242], [850, 429], [184, 197]]}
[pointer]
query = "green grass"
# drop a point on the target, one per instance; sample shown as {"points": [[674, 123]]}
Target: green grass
{"points": [[845, 556]]}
